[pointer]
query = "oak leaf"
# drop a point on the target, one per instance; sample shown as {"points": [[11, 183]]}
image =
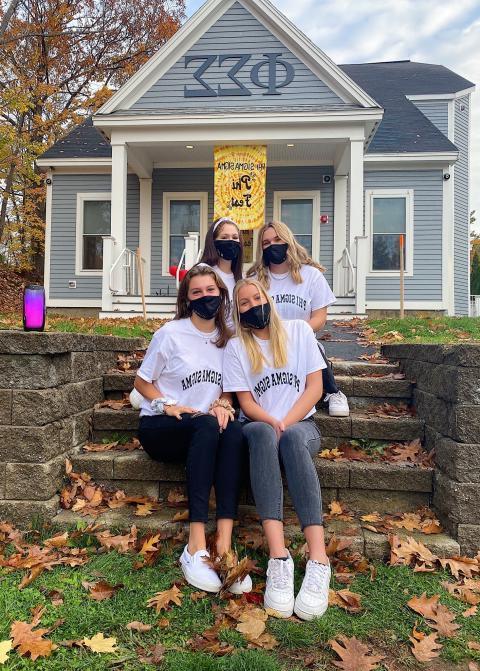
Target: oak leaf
{"points": [[101, 590], [162, 600], [427, 648], [99, 643], [5, 647], [149, 545], [349, 601], [121, 543], [354, 654], [457, 565], [252, 623], [424, 606], [30, 641]]}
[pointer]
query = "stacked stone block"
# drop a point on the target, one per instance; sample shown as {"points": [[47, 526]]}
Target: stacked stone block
{"points": [[49, 385], [447, 398]]}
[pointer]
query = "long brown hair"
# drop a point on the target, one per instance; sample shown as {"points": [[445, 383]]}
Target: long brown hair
{"points": [[297, 256], [278, 335], [210, 254], [184, 310]]}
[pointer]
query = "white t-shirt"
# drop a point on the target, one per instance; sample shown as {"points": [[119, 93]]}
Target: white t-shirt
{"points": [[298, 301], [276, 390], [184, 364], [229, 281]]}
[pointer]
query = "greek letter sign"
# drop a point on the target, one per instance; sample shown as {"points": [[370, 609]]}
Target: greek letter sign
{"points": [[240, 177], [271, 74]]}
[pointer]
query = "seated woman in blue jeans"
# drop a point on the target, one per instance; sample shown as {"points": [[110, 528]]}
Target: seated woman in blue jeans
{"points": [[275, 368], [185, 416]]}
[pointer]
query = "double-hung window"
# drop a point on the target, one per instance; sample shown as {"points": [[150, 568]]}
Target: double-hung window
{"points": [[390, 215], [93, 222], [183, 213], [300, 210]]}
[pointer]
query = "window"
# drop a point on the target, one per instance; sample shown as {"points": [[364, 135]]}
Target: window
{"points": [[300, 210], [183, 213], [390, 215], [93, 222]]}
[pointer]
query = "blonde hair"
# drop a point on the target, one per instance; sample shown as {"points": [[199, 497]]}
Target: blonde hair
{"points": [[278, 335], [297, 256]]}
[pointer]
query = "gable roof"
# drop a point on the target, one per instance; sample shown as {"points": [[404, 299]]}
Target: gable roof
{"points": [[404, 128], [293, 39]]}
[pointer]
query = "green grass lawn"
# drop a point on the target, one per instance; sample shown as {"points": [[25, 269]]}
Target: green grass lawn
{"points": [[385, 623], [425, 329]]}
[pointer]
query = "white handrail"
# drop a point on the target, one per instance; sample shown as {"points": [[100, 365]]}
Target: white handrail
{"points": [[346, 274], [179, 267], [128, 259]]}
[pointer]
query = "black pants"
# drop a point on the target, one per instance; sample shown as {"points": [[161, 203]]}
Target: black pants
{"points": [[212, 458]]}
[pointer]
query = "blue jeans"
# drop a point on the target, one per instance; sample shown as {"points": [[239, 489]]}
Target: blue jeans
{"points": [[295, 451]]}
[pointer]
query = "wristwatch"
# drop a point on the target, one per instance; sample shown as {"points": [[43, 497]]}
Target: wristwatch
{"points": [[158, 404]]}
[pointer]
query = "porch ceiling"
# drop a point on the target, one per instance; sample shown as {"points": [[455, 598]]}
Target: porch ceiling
{"points": [[173, 153]]}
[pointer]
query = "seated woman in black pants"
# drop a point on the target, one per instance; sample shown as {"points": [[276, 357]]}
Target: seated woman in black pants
{"points": [[186, 416]]}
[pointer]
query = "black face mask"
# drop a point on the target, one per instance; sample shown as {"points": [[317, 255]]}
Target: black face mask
{"points": [[275, 254], [228, 249], [206, 307], [257, 317]]}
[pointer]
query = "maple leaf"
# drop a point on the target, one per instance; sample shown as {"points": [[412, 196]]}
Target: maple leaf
{"points": [[5, 647], [162, 600], [101, 590], [30, 641], [427, 648], [138, 626], [149, 545], [354, 654], [252, 623], [99, 643], [457, 565]]}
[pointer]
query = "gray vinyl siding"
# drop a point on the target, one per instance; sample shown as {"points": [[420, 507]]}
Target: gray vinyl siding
{"points": [[236, 32], [64, 213], [426, 283], [461, 209], [436, 111], [308, 178]]}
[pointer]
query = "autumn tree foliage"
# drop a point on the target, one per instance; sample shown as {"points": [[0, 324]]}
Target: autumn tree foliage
{"points": [[59, 62]]}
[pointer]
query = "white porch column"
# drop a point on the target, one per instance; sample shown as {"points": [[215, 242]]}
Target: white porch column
{"points": [[108, 256], [356, 237], [145, 232], [119, 208], [339, 228]]}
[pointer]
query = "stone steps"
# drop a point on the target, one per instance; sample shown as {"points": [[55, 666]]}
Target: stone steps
{"points": [[365, 486], [372, 545]]}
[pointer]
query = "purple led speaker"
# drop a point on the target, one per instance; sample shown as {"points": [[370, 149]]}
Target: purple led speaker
{"points": [[34, 308]]}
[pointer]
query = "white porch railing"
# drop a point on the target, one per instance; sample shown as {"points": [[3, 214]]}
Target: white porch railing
{"points": [[351, 273], [190, 255], [124, 275], [474, 306]]}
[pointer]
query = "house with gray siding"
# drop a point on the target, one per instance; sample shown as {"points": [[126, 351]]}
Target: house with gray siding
{"points": [[357, 155]]}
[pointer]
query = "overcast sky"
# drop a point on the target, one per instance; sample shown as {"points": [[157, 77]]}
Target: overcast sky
{"points": [[361, 31]]}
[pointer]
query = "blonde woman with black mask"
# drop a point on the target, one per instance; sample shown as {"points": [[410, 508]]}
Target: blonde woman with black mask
{"points": [[275, 368], [298, 287]]}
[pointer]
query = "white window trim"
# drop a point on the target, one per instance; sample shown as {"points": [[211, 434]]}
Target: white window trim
{"points": [[168, 196], [81, 198], [370, 194], [278, 196]]}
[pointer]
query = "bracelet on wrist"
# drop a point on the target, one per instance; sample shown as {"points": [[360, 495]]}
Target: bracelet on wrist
{"points": [[222, 403]]}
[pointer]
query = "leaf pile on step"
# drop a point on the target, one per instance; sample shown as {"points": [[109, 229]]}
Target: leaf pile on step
{"points": [[374, 358], [116, 404], [389, 410], [37, 558], [84, 496], [116, 446], [409, 454], [127, 363], [423, 520], [383, 376], [410, 552]]}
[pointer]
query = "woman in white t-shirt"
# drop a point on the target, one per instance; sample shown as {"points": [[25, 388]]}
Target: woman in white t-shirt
{"points": [[275, 368], [224, 251], [297, 285], [185, 415]]}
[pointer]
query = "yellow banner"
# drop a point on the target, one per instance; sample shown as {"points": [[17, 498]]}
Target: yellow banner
{"points": [[240, 178]]}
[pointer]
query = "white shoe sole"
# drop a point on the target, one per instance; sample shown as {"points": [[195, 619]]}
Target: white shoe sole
{"points": [[339, 413], [305, 615], [204, 586], [283, 612]]}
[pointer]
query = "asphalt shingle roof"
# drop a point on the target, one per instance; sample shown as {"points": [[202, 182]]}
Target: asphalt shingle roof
{"points": [[403, 129]]}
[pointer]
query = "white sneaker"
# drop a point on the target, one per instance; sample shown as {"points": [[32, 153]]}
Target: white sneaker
{"points": [[136, 399], [279, 595], [198, 573], [241, 586], [338, 405], [312, 599]]}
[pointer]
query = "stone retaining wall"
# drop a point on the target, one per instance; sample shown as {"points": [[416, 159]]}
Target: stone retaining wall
{"points": [[447, 398], [49, 384]]}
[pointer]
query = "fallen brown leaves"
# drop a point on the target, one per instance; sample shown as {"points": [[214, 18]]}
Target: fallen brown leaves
{"points": [[162, 600], [425, 648], [117, 446], [27, 640], [99, 643], [439, 617], [409, 454], [390, 410], [354, 655], [133, 361], [345, 599], [101, 590], [423, 520]]}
